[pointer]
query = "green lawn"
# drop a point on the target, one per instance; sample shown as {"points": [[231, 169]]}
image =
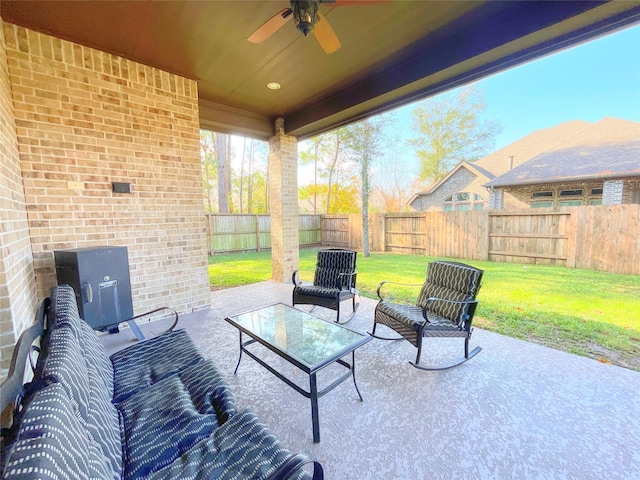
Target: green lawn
{"points": [[595, 314]]}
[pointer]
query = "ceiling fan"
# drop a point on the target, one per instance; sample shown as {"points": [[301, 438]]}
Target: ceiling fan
{"points": [[308, 20]]}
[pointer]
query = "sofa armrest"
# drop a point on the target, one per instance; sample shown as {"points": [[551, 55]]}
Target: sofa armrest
{"points": [[293, 465]]}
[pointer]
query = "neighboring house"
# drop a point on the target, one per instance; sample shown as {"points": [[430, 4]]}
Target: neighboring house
{"points": [[563, 165], [599, 165], [461, 189]]}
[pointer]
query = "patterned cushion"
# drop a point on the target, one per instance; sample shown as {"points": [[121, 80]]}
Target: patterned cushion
{"points": [[313, 291], [330, 263], [87, 392], [66, 363], [455, 276], [242, 448], [53, 443], [449, 281], [145, 363], [96, 356], [159, 425], [452, 311], [65, 307], [209, 390], [409, 315]]}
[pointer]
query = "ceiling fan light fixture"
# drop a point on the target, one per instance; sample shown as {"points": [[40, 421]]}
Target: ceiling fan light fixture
{"points": [[305, 14]]}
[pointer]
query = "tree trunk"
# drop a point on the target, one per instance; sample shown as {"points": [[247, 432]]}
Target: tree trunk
{"points": [[223, 191], [333, 165], [365, 206], [244, 145], [250, 179]]}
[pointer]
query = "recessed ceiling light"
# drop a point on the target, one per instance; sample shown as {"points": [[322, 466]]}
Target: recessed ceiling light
{"points": [[273, 86]]}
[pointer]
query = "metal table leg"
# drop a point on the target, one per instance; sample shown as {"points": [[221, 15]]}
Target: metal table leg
{"points": [[314, 407]]}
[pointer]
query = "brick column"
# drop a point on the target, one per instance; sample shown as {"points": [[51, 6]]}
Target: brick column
{"points": [[283, 192]]}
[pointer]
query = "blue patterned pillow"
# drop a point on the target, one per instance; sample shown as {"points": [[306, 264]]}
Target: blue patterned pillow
{"points": [[242, 448], [96, 355], [66, 363], [87, 392], [66, 309], [145, 363], [209, 390], [159, 425], [53, 443]]}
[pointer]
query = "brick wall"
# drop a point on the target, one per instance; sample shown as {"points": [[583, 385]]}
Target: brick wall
{"points": [[461, 181], [18, 300], [84, 119], [523, 194]]}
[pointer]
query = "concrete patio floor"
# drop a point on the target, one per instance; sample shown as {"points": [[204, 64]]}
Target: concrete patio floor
{"points": [[517, 410]]}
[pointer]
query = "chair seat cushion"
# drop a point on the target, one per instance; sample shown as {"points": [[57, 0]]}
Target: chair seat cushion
{"points": [[314, 291], [143, 364], [411, 316], [242, 448]]}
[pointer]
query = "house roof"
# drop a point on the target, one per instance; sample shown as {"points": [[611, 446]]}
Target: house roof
{"points": [[529, 146], [393, 52], [478, 171], [607, 149]]}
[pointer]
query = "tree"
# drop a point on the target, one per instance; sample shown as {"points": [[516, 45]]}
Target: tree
{"points": [[209, 168], [449, 129], [223, 170], [392, 186], [313, 155], [367, 141]]}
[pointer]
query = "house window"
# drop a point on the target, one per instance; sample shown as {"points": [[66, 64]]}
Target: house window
{"points": [[596, 191], [595, 201], [461, 201], [541, 204], [542, 194], [570, 193], [570, 203]]}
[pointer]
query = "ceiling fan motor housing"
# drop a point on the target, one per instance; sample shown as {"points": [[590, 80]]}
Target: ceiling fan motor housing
{"points": [[305, 14]]}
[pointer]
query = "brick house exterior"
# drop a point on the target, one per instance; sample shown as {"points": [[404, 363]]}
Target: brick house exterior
{"points": [[600, 165], [461, 189], [74, 120], [574, 163]]}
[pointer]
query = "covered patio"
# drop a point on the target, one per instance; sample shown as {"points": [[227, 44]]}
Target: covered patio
{"points": [[94, 94], [98, 94], [517, 410]]}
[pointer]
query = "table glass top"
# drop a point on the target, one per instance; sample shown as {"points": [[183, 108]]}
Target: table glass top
{"points": [[308, 339]]}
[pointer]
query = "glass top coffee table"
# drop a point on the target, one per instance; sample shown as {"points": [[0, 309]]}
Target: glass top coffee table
{"points": [[303, 340]]}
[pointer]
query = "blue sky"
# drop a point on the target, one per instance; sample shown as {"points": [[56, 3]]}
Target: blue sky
{"points": [[597, 79]]}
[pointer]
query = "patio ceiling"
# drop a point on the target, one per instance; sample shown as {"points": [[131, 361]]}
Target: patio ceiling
{"points": [[393, 52]]}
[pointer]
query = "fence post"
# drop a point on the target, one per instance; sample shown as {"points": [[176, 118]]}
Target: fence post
{"points": [[257, 222], [212, 236]]}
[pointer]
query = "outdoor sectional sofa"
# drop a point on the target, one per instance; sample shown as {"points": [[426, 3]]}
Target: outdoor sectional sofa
{"points": [[154, 410]]}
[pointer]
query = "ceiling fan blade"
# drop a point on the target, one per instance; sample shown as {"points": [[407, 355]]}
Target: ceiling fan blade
{"points": [[271, 26], [325, 35]]}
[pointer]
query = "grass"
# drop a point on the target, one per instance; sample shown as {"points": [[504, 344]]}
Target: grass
{"points": [[595, 314]]}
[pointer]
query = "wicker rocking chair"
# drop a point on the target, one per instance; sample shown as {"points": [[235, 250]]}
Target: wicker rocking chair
{"points": [[445, 308], [334, 281]]}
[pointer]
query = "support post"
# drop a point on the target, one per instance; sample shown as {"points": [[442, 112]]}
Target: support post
{"points": [[283, 193]]}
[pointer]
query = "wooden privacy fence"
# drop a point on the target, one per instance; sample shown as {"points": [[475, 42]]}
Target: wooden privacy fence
{"points": [[604, 238], [228, 233]]}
